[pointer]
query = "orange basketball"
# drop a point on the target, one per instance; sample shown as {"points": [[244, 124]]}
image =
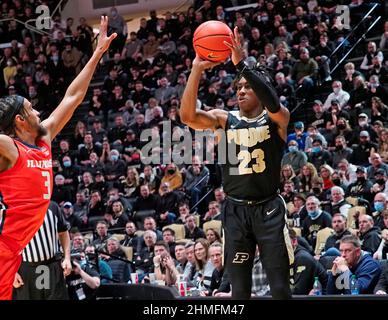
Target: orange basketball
{"points": [[209, 40]]}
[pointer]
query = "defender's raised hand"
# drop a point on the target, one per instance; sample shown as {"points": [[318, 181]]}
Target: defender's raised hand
{"points": [[236, 47], [103, 40]]}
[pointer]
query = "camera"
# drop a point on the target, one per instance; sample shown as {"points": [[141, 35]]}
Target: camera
{"points": [[76, 256]]}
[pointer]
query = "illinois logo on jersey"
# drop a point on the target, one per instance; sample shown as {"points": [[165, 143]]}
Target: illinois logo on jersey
{"points": [[240, 257]]}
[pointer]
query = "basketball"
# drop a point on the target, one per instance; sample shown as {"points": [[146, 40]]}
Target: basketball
{"points": [[209, 40]]}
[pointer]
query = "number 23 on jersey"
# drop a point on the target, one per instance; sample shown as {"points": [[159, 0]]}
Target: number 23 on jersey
{"points": [[246, 157]]}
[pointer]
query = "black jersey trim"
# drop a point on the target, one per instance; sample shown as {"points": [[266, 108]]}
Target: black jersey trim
{"points": [[3, 212], [236, 113]]}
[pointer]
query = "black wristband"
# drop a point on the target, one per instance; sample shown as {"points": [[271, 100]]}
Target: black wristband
{"points": [[241, 66]]}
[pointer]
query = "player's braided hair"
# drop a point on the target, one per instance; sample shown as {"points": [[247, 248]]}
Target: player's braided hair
{"points": [[10, 106], [265, 72]]}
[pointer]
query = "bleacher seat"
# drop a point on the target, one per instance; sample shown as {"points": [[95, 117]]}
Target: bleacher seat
{"points": [[213, 224], [92, 221], [128, 252], [139, 217], [322, 236], [354, 211], [179, 230], [298, 231], [88, 237], [352, 200], [118, 236]]}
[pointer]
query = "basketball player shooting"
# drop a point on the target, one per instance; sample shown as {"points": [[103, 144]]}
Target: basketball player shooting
{"points": [[254, 212], [26, 165]]}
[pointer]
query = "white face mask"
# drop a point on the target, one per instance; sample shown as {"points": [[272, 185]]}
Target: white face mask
{"points": [[9, 63], [336, 90]]}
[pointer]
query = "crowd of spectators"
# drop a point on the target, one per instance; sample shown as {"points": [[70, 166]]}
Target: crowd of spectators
{"points": [[334, 169]]}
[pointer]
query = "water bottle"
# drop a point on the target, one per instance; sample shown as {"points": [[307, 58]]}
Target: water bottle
{"points": [[354, 289], [317, 287]]}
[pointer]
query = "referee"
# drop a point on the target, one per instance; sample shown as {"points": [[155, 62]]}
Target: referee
{"points": [[41, 275]]}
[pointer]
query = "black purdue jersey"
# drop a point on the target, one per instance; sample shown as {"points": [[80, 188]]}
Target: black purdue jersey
{"points": [[257, 148]]}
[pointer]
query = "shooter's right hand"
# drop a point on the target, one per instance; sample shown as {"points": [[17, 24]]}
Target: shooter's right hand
{"points": [[203, 64]]}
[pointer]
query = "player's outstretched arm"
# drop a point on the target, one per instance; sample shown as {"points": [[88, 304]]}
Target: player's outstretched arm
{"points": [[78, 88], [262, 87], [8, 152], [189, 114]]}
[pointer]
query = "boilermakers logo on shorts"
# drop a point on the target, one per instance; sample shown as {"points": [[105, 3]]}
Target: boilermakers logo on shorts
{"points": [[240, 257]]}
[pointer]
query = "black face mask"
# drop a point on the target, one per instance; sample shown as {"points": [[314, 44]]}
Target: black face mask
{"points": [[361, 179], [341, 126], [380, 181], [337, 182], [171, 171], [316, 190], [90, 256], [340, 147]]}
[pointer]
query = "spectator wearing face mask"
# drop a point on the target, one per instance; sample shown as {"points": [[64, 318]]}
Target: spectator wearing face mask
{"points": [[317, 188], [342, 128], [336, 112], [361, 187], [172, 176], [71, 172], [313, 134], [316, 220], [363, 125], [295, 157], [115, 167], [9, 71], [299, 135], [318, 155], [341, 151], [379, 206], [362, 151], [381, 184]]}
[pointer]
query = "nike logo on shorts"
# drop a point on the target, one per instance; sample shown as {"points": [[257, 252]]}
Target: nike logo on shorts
{"points": [[269, 212]]}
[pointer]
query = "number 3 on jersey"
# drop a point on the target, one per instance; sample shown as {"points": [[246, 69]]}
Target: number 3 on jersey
{"points": [[245, 156], [47, 184]]}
